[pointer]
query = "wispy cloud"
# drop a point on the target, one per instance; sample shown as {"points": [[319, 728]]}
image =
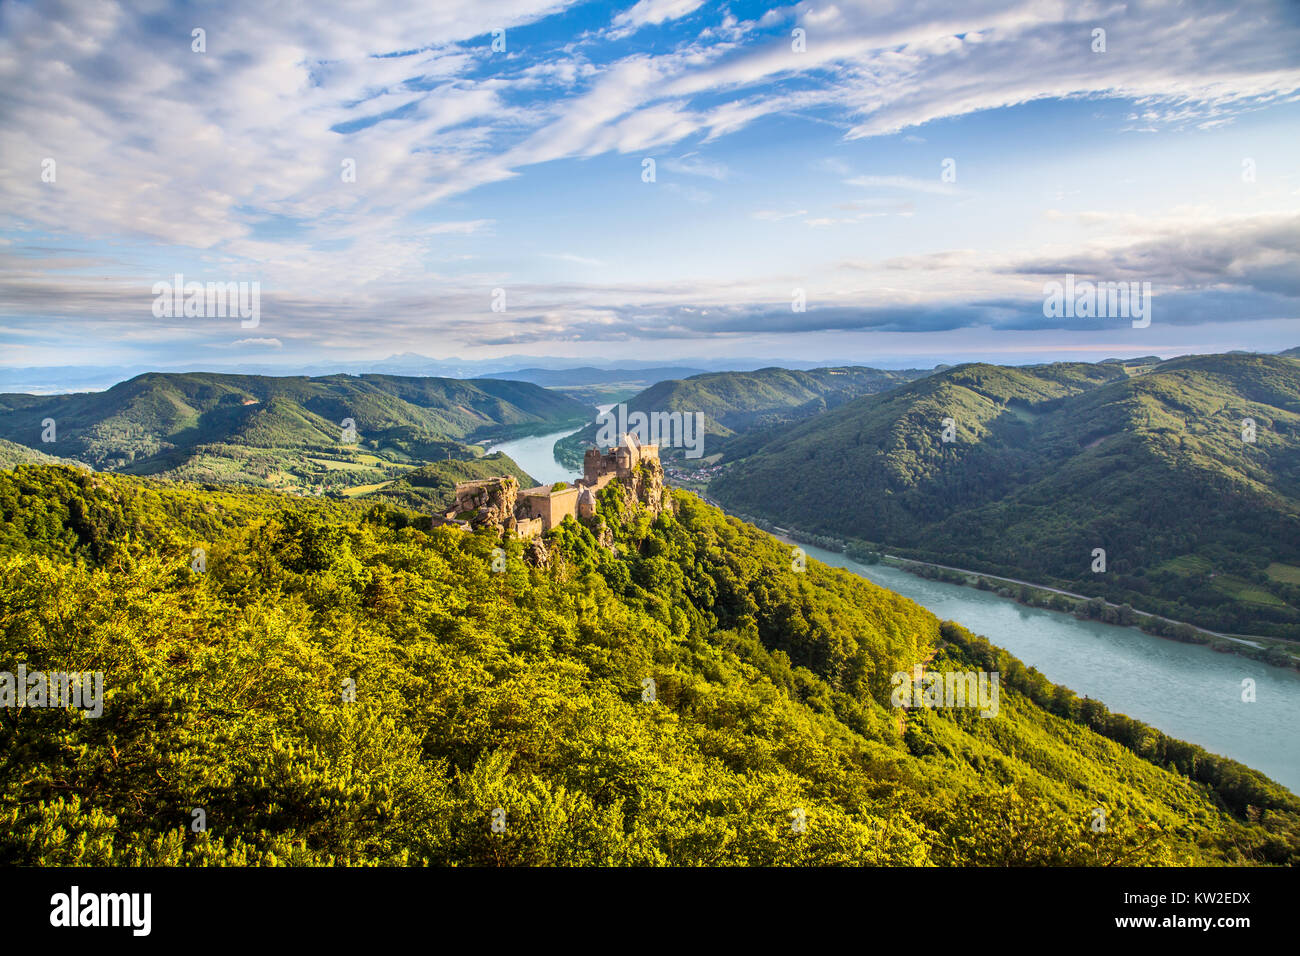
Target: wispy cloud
{"points": [[361, 162], [904, 182], [655, 12]]}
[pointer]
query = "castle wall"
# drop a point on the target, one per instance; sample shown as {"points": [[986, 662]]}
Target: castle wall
{"points": [[551, 506], [533, 511], [529, 527]]}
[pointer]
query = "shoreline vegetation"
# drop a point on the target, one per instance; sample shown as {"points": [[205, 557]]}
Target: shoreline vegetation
{"points": [[1268, 650], [1182, 476]]}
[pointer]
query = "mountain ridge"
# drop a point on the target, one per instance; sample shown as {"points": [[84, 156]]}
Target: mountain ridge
{"points": [[1048, 463], [736, 402], [211, 426]]}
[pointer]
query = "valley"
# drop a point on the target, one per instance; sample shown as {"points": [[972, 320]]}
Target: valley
{"points": [[1139, 674], [306, 436], [714, 600]]}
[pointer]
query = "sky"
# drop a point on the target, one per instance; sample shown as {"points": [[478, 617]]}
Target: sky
{"points": [[659, 180]]}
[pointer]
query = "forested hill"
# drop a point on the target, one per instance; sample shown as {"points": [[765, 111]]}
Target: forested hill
{"points": [[431, 488], [11, 453], [1187, 475], [254, 428], [342, 684], [736, 402]]}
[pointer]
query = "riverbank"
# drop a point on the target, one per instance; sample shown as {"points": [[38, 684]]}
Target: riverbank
{"points": [[1182, 688], [1226, 703], [1268, 650]]}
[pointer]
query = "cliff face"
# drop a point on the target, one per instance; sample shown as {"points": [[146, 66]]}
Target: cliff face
{"points": [[645, 486], [648, 485], [494, 502]]}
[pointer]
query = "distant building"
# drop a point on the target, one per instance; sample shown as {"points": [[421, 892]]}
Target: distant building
{"points": [[534, 511]]}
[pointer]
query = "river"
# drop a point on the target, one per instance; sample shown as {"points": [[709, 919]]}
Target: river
{"points": [[1186, 690], [536, 455]]}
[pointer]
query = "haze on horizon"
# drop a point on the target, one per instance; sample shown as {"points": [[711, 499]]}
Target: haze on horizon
{"points": [[916, 173]]}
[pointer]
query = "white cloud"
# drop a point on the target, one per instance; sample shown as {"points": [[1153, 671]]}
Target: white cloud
{"points": [[692, 165], [233, 156], [904, 182], [655, 12]]}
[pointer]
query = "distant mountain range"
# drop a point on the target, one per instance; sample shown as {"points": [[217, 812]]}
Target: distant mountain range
{"points": [[563, 372], [11, 453], [1186, 473], [588, 375], [284, 432], [573, 372], [54, 378], [736, 403]]}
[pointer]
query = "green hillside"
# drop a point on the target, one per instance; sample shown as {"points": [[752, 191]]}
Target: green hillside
{"points": [[282, 432], [431, 488], [737, 402], [524, 697], [11, 453], [1052, 462]]}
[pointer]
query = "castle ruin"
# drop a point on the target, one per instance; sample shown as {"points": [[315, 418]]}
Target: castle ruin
{"points": [[533, 511]]}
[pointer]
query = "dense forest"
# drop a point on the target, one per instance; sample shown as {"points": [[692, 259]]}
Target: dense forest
{"points": [[736, 403], [310, 435], [339, 683], [1186, 474], [432, 488]]}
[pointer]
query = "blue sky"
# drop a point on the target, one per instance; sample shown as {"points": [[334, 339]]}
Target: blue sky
{"points": [[776, 169]]}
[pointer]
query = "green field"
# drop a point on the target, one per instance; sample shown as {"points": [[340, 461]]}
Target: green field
{"points": [[330, 465], [1242, 590], [1286, 573], [356, 490], [1188, 564]]}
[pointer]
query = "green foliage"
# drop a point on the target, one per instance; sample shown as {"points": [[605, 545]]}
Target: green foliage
{"points": [[12, 454], [282, 432], [1052, 461], [524, 691], [734, 403], [432, 487]]}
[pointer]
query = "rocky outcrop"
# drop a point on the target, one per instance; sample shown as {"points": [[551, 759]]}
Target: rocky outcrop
{"points": [[647, 486], [488, 503], [537, 554], [498, 503]]}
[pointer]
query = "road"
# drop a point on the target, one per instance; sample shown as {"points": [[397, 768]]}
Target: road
{"points": [[1044, 587], [1083, 597]]}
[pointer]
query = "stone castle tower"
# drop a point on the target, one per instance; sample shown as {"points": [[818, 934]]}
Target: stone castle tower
{"points": [[533, 511]]}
